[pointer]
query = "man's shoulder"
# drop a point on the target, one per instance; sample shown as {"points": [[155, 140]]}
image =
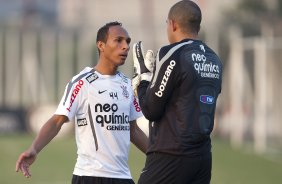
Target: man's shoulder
{"points": [[169, 50], [80, 80], [123, 77], [85, 74]]}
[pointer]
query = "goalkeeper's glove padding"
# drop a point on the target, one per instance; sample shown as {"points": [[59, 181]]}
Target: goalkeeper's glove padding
{"points": [[143, 67]]}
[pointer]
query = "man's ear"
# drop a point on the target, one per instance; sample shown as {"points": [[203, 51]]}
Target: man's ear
{"points": [[101, 46], [174, 25]]}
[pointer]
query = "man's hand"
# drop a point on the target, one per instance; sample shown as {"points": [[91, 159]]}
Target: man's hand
{"points": [[24, 162], [143, 67]]}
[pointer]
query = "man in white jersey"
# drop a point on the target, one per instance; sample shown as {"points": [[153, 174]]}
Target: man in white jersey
{"points": [[100, 101]]}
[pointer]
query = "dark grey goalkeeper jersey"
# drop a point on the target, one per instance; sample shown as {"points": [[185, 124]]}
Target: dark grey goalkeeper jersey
{"points": [[181, 99]]}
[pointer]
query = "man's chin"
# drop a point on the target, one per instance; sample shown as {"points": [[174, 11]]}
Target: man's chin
{"points": [[121, 62]]}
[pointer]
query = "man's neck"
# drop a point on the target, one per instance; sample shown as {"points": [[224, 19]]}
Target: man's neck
{"points": [[104, 69], [179, 37]]}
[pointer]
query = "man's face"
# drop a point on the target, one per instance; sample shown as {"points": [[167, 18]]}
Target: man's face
{"points": [[117, 45]]}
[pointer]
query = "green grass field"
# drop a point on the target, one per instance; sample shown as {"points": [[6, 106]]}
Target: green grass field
{"points": [[55, 163]]}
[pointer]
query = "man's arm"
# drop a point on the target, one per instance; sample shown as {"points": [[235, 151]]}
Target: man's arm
{"points": [[49, 130], [153, 96], [138, 137]]}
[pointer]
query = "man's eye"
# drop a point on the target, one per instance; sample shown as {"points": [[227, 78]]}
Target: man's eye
{"points": [[128, 41]]}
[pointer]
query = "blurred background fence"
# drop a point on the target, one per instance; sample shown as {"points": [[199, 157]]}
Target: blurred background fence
{"points": [[37, 63], [44, 43], [251, 103]]}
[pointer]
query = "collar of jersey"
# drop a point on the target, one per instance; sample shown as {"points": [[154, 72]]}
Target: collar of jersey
{"points": [[106, 76]]}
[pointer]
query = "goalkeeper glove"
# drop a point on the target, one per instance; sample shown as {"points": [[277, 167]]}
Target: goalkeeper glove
{"points": [[143, 67]]}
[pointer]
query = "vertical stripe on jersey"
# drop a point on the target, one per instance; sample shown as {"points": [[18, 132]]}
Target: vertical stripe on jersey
{"points": [[92, 127], [168, 54], [70, 84]]}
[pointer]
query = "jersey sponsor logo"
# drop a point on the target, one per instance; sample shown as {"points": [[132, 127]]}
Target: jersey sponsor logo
{"points": [[136, 105], [207, 99], [206, 67], [107, 116], [100, 92], [82, 122], [75, 92], [165, 78], [206, 70], [92, 77], [160, 62], [118, 127], [198, 57]]}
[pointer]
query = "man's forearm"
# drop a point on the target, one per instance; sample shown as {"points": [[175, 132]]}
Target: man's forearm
{"points": [[49, 130], [138, 137]]}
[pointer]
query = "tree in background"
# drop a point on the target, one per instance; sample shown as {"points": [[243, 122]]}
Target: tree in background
{"points": [[250, 15]]}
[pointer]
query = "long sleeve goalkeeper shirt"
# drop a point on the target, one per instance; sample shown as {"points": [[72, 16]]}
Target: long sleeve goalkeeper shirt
{"points": [[180, 101]]}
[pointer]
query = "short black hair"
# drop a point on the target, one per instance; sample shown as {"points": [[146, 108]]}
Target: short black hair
{"points": [[187, 14], [102, 34]]}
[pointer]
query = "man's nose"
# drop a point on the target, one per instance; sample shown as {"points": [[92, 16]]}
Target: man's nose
{"points": [[125, 45]]}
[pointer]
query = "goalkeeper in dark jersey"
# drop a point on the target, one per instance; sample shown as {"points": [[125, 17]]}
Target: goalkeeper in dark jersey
{"points": [[178, 90]]}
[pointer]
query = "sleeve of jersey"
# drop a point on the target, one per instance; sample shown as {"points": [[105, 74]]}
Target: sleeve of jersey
{"points": [[69, 102], [153, 96]]}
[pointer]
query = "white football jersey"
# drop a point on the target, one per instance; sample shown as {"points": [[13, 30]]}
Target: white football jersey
{"points": [[101, 107]]}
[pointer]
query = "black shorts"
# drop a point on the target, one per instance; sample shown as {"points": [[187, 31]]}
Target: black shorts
{"points": [[163, 168], [99, 180]]}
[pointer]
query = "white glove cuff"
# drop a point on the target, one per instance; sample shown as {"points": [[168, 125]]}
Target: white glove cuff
{"points": [[146, 76], [135, 83]]}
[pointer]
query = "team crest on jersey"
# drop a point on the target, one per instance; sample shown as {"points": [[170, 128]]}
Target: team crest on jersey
{"points": [[92, 77], [124, 91], [82, 122]]}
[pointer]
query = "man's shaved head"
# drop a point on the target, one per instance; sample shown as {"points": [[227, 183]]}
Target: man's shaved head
{"points": [[187, 14]]}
